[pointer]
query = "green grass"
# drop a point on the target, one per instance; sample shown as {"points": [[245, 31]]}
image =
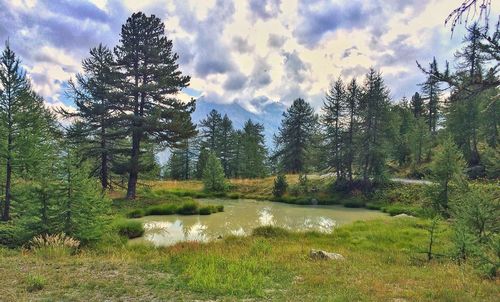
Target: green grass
{"points": [[129, 228], [188, 207], [35, 283], [384, 262]]}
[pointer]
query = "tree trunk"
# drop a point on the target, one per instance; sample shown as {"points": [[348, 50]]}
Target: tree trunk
{"points": [[134, 166], [8, 173], [104, 160]]}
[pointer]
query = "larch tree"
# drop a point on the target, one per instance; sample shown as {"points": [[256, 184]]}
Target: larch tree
{"points": [[354, 94], [150, 79], [26, 126], [375, 125], [332, 119], [432, 92]]}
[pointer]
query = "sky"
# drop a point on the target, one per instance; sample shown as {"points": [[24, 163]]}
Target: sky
{"points": [[251, 53]]}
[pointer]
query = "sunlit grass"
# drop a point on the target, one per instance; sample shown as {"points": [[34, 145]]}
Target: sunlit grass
{"points": [[384, 262]]}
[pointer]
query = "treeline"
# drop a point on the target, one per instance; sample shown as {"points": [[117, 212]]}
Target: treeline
{"points": [[360, 134], [242, 152]]}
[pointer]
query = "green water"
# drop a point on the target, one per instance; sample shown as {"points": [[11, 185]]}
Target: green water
{"points": [[241, 216]]}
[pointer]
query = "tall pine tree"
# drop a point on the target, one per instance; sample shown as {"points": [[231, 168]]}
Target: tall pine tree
{"points": [[150, 79]]}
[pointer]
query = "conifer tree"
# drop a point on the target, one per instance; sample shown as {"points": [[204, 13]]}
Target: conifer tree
{"points": [[26, 126], [295, 135], [226, 144], [417, 105], [375, 126], [253, 150], [95, 96], [211, 131], [332, 120], [352, 105], [432, 92], [150, 78], [447, 171], [213, 175]]}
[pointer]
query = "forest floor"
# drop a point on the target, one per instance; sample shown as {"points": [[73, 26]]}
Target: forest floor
{"points": [[385, 259]]}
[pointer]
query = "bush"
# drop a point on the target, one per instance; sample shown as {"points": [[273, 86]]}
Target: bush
{"points": [[129, 228], [206, 210], [280, 186], [162, 209], [53, 246], [34, 283], [270, 232], [220, 208], [188, 208], [354, 203], [137, 213]]}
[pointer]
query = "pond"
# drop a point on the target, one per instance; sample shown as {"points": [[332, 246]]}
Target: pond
{"points": [[243, 215]]}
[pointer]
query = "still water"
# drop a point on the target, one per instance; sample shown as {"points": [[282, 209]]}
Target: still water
{"points": [[243, 215]]}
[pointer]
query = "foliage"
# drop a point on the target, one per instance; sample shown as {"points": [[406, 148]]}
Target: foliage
{"points": [[129, 228], [270, 232], [293, 139], [213, 175], [35, 283], [476, 228], [447, 172], [280, 185]]}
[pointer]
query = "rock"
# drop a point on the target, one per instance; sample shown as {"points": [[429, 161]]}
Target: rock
{"points": [[318, 254], [403, 216]]}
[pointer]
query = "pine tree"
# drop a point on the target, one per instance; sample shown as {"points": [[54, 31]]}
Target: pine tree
{"points": [[352, 105], [26, 126], [463, 117], [81, 205], [431, 91], [294, 136], [95, 96], [375, 125], [150, 78], [280, 185], [405, 123], [447, 171], [253, 151], [213, 175], [332, 120], [417, 105], [211, 131], [226, 144], [202, 162]]}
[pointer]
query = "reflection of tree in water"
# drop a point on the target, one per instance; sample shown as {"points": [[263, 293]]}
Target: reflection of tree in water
{"points": [[197, 232], [326, 225], [266, 217]]}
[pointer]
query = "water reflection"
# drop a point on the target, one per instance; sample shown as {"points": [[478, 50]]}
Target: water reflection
{"points": [[240, 217]]}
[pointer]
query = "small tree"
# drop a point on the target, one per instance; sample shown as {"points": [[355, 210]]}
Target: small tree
{"points": [[280, 185], [447, 170], [213, 175]]}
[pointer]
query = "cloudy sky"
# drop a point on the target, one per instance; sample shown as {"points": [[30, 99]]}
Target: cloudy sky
{"points": [[249, 52]]}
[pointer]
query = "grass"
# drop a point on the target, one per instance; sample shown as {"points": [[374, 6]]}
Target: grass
{"points": [[189, 207], [129, 228], [35, 283], [384, 262]]}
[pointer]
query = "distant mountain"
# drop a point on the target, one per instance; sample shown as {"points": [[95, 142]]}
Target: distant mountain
{"points": [[269, 114]]}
